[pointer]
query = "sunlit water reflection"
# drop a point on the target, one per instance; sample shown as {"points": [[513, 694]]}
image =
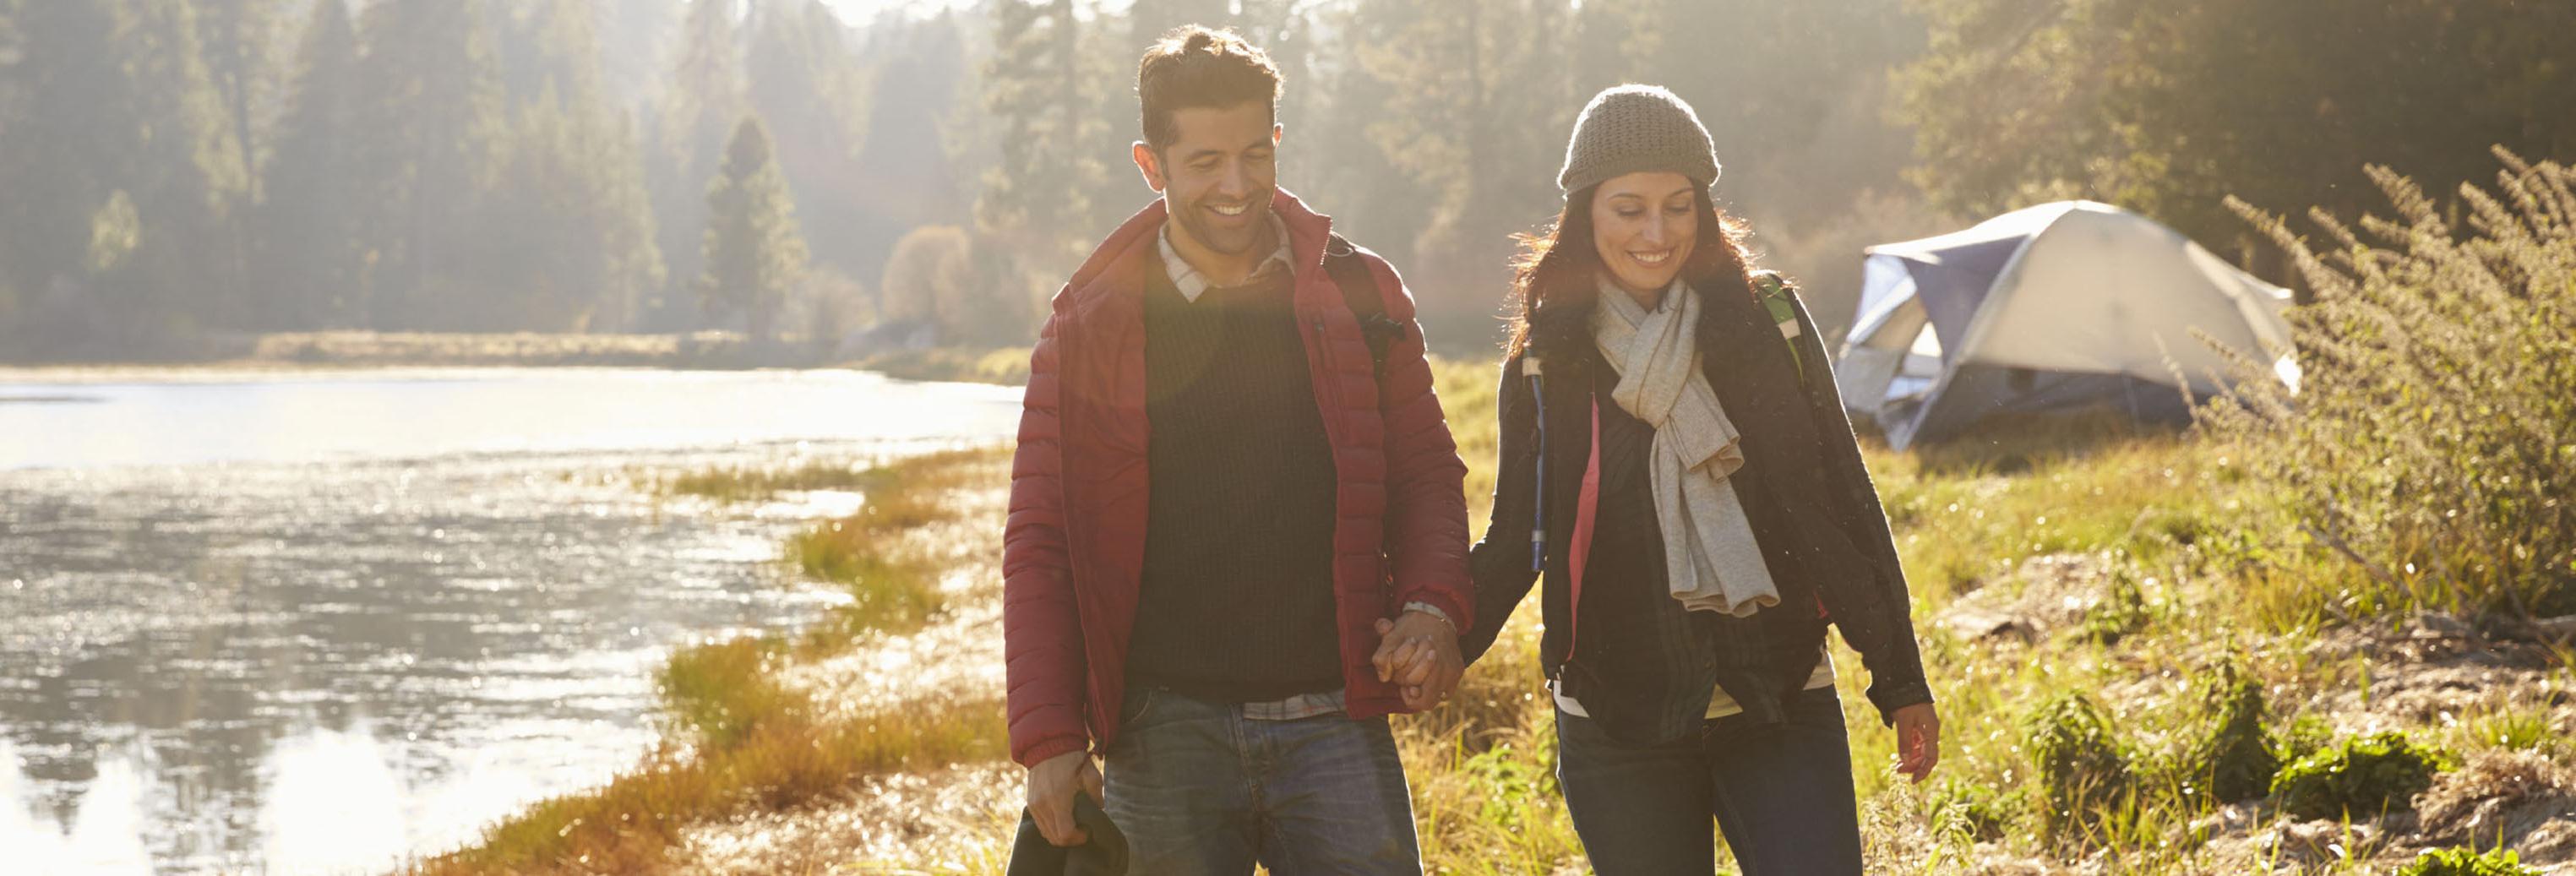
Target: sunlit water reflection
{"points": [[320, 653]]}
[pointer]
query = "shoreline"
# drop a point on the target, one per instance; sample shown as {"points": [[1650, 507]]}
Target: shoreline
{"points": [[367, 353], [2140, 597], [784, 721]]}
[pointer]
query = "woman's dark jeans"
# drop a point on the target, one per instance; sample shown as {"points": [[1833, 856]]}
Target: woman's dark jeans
{"points": [[1783, 795]]}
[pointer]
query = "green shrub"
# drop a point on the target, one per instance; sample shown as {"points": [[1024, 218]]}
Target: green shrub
{"points": [[2121, 612], [2303, 736], [2361, 776], [720, 693], [2081, 766], [2428, 440], [1981, 811], [2466, 862], [1513, 778], [2234, 757]]}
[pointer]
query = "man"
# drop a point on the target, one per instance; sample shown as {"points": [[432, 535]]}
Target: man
{"points": [[1229, 519]]}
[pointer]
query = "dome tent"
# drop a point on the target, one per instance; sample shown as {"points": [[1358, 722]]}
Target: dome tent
{"points": [[2056, 307]]}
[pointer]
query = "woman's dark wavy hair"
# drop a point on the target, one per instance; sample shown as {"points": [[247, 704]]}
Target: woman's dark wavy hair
{"points": [[1554, 281]]}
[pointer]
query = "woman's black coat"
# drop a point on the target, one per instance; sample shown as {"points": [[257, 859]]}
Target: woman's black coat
{"points": [[1806, 492]]}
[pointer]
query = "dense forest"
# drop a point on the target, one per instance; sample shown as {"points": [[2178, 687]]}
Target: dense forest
{"points": [[174, 170]]}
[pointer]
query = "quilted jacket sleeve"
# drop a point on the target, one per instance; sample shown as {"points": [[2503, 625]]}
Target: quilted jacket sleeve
{"points": [[1041, 625], [1425, 481]]}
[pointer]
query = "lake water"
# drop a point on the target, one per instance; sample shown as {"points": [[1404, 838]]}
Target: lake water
{"points": [[318, 622]]}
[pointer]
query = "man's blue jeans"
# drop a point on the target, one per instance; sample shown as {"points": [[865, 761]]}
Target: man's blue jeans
{"points": [[1200, 789], [1783, 795]]}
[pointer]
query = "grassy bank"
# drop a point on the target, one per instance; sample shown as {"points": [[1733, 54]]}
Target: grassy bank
{"points": [[2306, 636], [1007, 366], [2117, 622], [2122, 627], [742, 735], [370, 349], [522, 349]]}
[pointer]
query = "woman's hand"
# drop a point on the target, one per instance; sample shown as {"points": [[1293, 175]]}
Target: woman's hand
{"points": [[1419, 653], [1918, 741]]}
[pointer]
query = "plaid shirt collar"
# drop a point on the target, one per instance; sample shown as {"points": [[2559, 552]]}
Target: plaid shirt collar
{"points": [[1192, 284]]}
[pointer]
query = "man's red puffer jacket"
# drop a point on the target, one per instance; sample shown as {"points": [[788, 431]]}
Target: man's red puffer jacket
{"points": [[1076, 537]]}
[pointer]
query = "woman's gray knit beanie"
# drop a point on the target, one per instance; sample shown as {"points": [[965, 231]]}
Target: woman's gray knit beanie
{"points": [[1633, 129]]}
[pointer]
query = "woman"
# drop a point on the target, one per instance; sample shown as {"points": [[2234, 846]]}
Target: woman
{"points": [[1675, 460]]}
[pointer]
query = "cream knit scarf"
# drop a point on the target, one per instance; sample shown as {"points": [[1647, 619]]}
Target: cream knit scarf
{"points": [[1710, 556]]}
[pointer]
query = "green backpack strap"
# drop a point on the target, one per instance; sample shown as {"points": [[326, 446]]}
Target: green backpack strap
{"points": [[1777, 296]]}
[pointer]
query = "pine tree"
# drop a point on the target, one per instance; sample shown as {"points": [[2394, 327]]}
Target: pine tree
{"points": [[120, 180], [703, 103], [1148, 20], [76, 114], [1042, 194], [189, 180], [1329, 154], [1772, 81], [754, 253], [635, 38], [13, 119], [582, 253], [804, 82], [906, 176], [548, 44], [307, 251], [1477, 112], [429, 143], [241, 48]]}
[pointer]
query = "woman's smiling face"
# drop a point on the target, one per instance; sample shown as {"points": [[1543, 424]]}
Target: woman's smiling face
{"points": [[1643, 227]]}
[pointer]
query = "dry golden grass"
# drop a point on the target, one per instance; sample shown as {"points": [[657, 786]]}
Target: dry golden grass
{"points": [[1008, 366], [2133, 563], [748, 484], [2160, 560], [739, 740], [516, 349]]}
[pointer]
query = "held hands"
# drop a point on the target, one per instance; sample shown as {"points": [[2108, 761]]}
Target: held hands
{"points": [[1419, 652], [1052, 784], [1918, 741]]}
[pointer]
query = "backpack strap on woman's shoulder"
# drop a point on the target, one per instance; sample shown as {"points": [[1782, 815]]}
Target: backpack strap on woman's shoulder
{"points": [[1779, 297]]}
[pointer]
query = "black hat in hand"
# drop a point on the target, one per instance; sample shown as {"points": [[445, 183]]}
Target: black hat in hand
{"points": [[1104, 854]]}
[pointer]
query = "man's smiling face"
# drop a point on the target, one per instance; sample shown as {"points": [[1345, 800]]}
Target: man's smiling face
{"points": [[1218, 174]]}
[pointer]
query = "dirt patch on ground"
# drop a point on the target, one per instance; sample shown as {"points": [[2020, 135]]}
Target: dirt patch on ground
{"points": [[959, 819], [2045, 595], [2438, 676], [2432, 671], [2517, 799], [2451, 680]]}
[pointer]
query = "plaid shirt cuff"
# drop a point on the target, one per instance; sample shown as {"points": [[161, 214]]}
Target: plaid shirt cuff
{"points": [[1434, 611], [1295, 708]]}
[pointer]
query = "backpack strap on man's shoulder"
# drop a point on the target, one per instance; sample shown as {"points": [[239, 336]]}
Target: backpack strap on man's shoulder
{"points": [[1349, 271], [1778, 297]]}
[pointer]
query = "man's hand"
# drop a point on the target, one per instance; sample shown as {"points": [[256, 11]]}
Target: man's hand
{"points": [[1918, 741], [1419, 651], [1052, 784]]}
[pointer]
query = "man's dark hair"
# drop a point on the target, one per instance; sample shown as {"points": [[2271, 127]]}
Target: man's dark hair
{"points": [[1193, 67]]}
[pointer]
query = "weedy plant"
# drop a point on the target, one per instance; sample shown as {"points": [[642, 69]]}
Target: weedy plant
{"points": [[2082, 766], [2432, 437], [2467, 862], [2361, 776], [2234, 758]]}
